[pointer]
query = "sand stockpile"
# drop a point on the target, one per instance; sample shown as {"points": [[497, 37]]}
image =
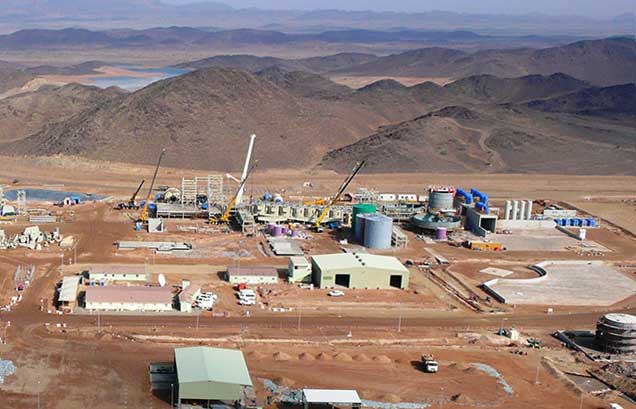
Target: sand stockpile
{"points": [[256, 355], [281, 356], [362, 358], [383, 359], [284, 381], [343, 357], [390, 398], [306, 357], [324, 357]]}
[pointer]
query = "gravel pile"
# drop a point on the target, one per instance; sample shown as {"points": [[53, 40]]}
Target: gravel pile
{"points": [[6, 368]]}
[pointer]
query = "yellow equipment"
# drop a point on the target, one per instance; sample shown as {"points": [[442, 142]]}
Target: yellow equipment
{"points": [[336, 197], [143, 217], [225, 217]]}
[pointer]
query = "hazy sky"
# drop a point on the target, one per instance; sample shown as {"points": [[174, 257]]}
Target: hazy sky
{"points": [[580, 7]]}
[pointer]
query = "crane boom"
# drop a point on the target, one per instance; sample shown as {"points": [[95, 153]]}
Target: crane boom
{"points": [[143, 217], [134, 196], [336, 197], [225, 217]]}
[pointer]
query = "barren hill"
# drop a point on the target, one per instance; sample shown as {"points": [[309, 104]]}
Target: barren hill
{"points": [[494, 139], [601, 62], [609, 101], [489, 88], [254, 63], [204, 117], [27, 113], [12, 78]]}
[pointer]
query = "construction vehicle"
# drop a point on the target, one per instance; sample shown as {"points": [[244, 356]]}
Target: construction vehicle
{"points": [[429, 363], [143, 217], [131, 204], [225, 217], [325, 211]]}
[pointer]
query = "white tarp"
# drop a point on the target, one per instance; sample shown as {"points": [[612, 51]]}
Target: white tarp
{"points": [[331, 396]]}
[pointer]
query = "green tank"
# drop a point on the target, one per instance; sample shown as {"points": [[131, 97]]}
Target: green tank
{"points": [[362, 208]]}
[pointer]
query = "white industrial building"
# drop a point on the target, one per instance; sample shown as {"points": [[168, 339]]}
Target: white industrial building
{"points": [[252, 275], [299, 270], [357, 270], [123, 298], [188, 296], [102, 273]]}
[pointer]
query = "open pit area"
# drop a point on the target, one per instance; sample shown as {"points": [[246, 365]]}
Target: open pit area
{"points": [[369, 340]]}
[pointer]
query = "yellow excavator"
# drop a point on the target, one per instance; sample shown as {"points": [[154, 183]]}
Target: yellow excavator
{"points": [[143, 217], [225, 217], [325, 211]]}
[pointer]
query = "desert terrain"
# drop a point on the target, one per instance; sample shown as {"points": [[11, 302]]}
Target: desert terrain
{"points": [[532, 110]]}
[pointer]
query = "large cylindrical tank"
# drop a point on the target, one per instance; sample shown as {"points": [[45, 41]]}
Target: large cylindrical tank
{"points": [[441, 233], [440, 200], [361, 208], [508, 210], [277, 231], [377, 231], [358, 230], [616, 333], [529, 210]]}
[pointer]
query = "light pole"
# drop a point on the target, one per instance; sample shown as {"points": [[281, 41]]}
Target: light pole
{"points": [[38, 394], [62, 264], [299, 317], [171, 395], [399, 329]]}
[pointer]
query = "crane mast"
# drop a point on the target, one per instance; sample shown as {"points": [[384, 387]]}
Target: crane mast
{"points": [[325, 211], [143, 217]]}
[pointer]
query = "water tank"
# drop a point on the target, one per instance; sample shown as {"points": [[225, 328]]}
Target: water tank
{"points": [[441, 233], [358, 230], [616, 333], [278, 198], [439, 200], [377, 231], [361, 208], [277, 231]]}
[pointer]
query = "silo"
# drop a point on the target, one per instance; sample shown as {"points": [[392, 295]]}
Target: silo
{"points": [[515, 209], [361, 208], [377, 231], [522, 210], [440, 200], [529, 210], [358, 230], [508, 209], [616, 333]]}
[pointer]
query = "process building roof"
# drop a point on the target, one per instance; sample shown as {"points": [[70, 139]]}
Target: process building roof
{"points": [[132, 294], [118, 269], [299, 260], [253, 271], [206, 364], [68, 291], [333, 396], [340, 261]]}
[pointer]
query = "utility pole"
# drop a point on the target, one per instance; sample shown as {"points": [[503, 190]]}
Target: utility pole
{"points": [[198, 314], [62, 264], [536, 378], [171, 395], [399, 329], [299, 317]]}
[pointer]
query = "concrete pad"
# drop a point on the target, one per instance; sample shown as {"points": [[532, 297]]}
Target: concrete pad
{"points": [[582, 283], [499, 272], [542, 240]]}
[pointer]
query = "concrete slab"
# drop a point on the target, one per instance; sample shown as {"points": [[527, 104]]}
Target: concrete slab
{"points": [[499, 272], [542, 240], [583, 283]]}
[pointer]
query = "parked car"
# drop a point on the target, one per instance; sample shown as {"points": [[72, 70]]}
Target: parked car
{"points": [[336, 293]]}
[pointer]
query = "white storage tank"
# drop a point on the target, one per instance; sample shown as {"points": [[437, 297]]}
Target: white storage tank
{"points": [[377, 231]]}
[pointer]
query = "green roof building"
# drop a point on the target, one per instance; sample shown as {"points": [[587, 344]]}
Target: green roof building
{"points": [[358, 270], [205, 373]]}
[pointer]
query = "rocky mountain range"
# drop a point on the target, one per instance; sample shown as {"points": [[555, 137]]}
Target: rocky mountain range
{"points": [[535, 123]]}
